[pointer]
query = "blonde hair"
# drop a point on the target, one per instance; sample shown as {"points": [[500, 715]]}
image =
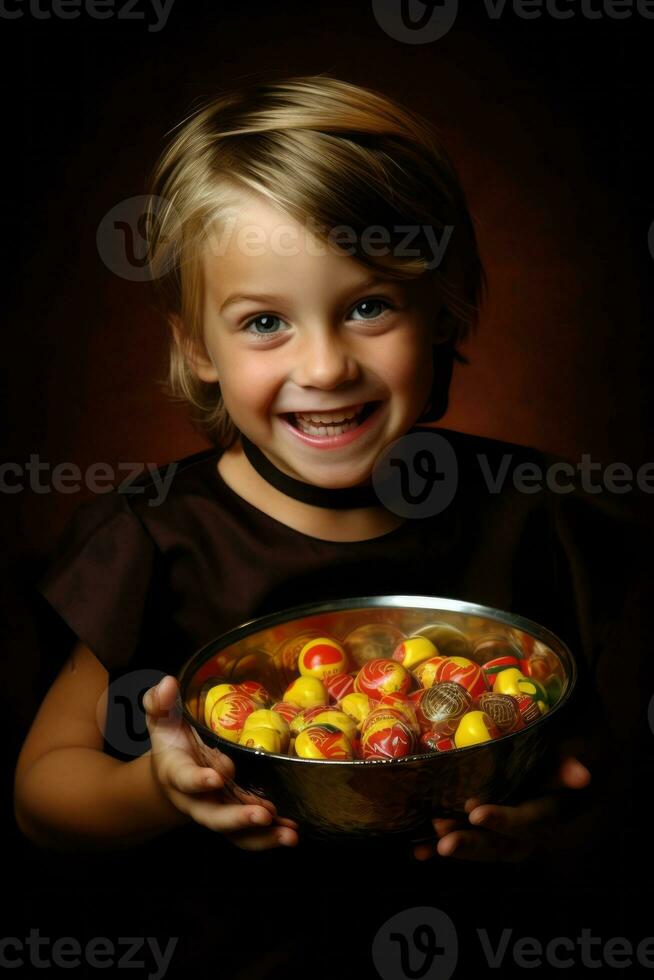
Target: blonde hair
{"points": [[322, 150]]}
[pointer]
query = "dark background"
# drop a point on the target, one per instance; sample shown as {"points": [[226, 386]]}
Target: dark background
{"points": [[549, 123]]}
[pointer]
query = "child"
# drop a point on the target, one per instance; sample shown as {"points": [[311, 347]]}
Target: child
{"points": [[276, 310]]}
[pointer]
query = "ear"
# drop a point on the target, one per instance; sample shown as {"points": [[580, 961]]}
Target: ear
{"points": [[198, 360]]}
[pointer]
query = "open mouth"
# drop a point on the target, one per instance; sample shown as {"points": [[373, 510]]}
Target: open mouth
{"points": [[322, 427]]}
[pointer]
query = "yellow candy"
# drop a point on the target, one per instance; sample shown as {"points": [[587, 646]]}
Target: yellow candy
{"points": [[507, 681], [475, 727], [323, 742], [272, 720], [358, 706], [306, 692], [214, 694], [324, 716], [230, 713], [266, 739], [414, 650], [322, 657]]}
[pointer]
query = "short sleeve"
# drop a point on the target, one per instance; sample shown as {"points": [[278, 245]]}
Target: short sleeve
{"points": [[99, 579]]}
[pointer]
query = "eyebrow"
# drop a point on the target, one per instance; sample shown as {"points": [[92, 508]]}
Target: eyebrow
{"points": [[270, 298]]}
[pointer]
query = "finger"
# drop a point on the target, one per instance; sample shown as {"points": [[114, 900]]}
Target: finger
{"points": [[483, 845], [423, 852], [253, 840], [445, 825], [163, 715], [191, 778], [471, 803], [573, 774], [287, 822], [519, 822], [228, 818]]}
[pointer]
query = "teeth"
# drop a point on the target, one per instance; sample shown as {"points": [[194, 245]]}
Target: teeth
{"points": [[329, 418]]}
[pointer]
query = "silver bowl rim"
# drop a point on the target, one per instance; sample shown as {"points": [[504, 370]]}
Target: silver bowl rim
{"points": [[435, 603]]}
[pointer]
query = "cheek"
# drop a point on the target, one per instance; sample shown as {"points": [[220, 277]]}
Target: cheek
{"points": [[248, 382]]}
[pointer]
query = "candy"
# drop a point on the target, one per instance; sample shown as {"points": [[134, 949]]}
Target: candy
{"points": [[264, 718], [529, 710], [358, 706], [442, 707], [491, 646], [534, 689], [255, 691], [306, 692], [208, 698], [414, 651], [323, 657], [426, 673], [493, 667], [323, 742], [379, 677], [230, 713], [514, 682], [386, 735], [433, 742], [264, 739], [372, 641], [324, 716], [286, 657], [464, 672], [287, 710], [448, 640], [543, 664], [503, 709], [339, 685], [474, 728], [405, 706]]}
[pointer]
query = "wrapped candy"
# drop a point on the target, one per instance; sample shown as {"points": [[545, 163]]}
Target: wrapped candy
{"points": [[323, 742], [474, 728], [323, 657], [386, 735], [372, 641], [464, 672], [426, 673], [443, 706], [306, 692], [265, 718], [378, 677], [514, 682], [528, 708], [413, 651], [503, 709], [229, 715]]}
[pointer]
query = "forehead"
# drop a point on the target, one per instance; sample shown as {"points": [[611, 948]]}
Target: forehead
{"points": [[257, 247]]}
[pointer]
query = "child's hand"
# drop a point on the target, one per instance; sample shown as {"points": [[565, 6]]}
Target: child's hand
{"points": [[196, 790], [509, 833]]}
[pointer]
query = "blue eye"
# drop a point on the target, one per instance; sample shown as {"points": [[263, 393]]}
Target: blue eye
{"points": [[267, 321], [373, 303]]}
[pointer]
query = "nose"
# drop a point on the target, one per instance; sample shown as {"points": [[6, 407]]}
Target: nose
{"points": [[324, 360]]}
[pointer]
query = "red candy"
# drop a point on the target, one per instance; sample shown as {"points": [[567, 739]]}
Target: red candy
{"points": [[379, 677], [464, 672], [339, 685]]}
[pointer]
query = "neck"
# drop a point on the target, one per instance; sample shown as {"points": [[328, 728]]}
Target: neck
{"points": [[329, 524]]}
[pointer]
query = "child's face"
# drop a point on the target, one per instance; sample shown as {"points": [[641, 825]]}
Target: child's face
{"points": [[308, 344]]}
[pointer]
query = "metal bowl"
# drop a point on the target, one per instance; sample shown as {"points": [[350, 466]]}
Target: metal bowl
{"points": [[369, 798]]}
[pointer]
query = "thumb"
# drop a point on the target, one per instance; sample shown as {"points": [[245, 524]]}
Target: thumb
{"points": [[163, 714]]}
